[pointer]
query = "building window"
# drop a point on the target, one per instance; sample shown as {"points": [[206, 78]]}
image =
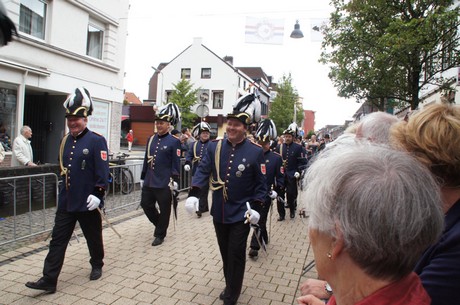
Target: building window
{"points": [[185, 73], [32, 18], [206, 73], [217, 99], [8, 102], [94, 42]]}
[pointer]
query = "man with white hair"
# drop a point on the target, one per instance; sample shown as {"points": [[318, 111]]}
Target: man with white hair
{"points": [[22, 150]]}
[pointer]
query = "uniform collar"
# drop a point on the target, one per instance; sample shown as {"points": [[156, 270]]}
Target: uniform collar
{"points": [[81, 134]]}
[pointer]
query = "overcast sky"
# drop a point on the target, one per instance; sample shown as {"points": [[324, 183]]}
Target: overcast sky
{"points": [[159, 30]]}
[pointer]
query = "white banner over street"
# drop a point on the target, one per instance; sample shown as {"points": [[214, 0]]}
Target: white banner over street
{"points": [[264, 30]]}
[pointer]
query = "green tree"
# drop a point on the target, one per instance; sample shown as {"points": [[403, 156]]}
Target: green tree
{"points": [[185, 97], [282, 107], [381, 50]]}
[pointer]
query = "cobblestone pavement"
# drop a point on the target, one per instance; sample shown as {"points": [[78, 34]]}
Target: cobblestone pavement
{"points": [[185, 269]]}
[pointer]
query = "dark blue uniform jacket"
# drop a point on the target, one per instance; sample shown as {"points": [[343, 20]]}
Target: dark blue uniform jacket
{"points": [[294, 158], [162, 162], [241, 175], [86, 159], [275, 171], [195, 153]]}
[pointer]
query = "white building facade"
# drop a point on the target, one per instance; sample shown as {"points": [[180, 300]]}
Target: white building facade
{"points": [[62, 45], [220, 83]]}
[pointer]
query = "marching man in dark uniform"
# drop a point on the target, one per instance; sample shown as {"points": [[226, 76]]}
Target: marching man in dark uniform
{"points": [[294, 163], [235, 168], [84, 172], [195, 153], [275, 181], [160, 172]]}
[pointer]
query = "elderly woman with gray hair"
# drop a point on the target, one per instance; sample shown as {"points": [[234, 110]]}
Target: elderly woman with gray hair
{"points": [[373, 211]]}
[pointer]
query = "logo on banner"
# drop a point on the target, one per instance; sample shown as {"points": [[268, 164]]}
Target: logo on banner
{"points": [[264, 30]]}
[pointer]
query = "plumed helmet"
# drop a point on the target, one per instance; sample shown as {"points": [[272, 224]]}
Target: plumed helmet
{"points": [[247, 109], [266, 131], [292, 130], [79, 103], [169, 113], [200, 127], [7, 27]]}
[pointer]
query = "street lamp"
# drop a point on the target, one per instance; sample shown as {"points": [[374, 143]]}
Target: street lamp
{"points": [[297, 33], [162, 78]]}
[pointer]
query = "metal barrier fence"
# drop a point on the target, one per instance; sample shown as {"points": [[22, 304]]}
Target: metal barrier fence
{"points": [[37, 216], [32, 217]]}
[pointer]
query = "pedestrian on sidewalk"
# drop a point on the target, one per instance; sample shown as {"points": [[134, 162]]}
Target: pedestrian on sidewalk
{"points": [[84, 173], [235, 169], [130, 139], [160, 172], [23, 154]]}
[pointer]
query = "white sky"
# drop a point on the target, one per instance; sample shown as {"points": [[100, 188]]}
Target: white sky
{"points": [[159, 30]]}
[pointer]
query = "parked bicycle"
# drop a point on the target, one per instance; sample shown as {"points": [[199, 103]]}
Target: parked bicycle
{"points": [[121, 176]]}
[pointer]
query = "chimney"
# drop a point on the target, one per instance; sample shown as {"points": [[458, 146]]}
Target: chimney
{"points": [[228, 59]]}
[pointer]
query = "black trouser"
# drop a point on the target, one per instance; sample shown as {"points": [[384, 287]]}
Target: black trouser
{"points": [[203, 203], [160, 219], [232, 239], [64, 225], [291, 193], [262, 225]]}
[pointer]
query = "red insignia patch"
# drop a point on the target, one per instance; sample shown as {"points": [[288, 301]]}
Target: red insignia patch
{"points": [[282, 170], [262, 169], [104, 155], [178, 152]]}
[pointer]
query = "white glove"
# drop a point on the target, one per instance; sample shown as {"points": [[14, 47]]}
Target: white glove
{"points": [[272, 194], [191, 204], [175, 186], [296, 175], [141, 184], [251, 215], [93, 202], [186, 167]]}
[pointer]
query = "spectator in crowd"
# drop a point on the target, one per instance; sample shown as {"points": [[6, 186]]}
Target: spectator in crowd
{"points": [[83, 158], [22, 150], [369, 205], [130, 139], [432, 135], [234, 167], [189, 137], [160, 172], [374, 127], [312, 145], [195, 153]]}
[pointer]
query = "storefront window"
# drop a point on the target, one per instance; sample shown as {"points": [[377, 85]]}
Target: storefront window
{"points": [[8, 100]]}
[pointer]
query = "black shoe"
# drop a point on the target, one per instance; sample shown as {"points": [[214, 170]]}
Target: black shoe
{"points": [[281, 218], [95, 274], [222, 294], [292, 214], [198, 213], [157, 241], [253, 253], [41, 284]]}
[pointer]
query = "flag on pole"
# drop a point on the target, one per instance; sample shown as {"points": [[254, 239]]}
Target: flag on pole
{"points": [[264, 30], [316, 27]]}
